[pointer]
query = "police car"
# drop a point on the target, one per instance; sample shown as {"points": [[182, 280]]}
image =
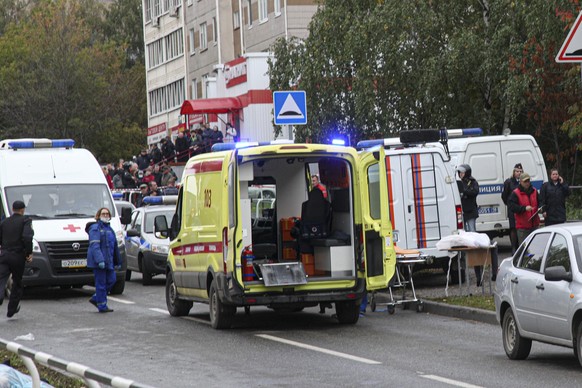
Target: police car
{"points": [[146, 252]]}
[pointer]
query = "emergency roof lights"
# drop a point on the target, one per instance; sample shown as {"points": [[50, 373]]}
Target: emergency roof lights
{"points": [[248, 144], [443, 133], [161, 200], [340, 142], [37, 143], [117, 196]]}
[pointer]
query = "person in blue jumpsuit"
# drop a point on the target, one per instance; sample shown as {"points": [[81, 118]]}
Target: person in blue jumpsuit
{"points": [[103, 256]]}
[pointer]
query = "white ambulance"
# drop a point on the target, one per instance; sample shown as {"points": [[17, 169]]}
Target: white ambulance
{"points": [[423, 199], [62, 187], [492, 159], [315, 250]]}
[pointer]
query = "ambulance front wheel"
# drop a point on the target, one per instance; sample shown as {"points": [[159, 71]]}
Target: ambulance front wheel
{"points": [[176, 307], [221, 315]]}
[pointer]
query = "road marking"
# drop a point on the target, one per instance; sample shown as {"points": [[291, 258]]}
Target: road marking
{"points": [[318, 349], [188, 318], [120, 300], [450, 381]]}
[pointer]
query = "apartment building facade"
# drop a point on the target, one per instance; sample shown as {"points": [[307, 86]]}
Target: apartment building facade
{"points": [[215, 50]]}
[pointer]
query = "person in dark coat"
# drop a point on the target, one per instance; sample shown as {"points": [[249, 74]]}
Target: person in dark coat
{"points": [[509, 185], [553, 196], [469, 189], [15, 251], [524, 203], [217, 136], [143, 160], [103, 257], [182, 147], [168, 149], [156, 154], [207, 138]]}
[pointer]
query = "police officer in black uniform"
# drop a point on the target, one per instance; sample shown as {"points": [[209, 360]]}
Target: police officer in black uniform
{"points": [[15, 250]]}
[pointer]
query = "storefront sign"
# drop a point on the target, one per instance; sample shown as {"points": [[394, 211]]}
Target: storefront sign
{"points": [[235, 72]]}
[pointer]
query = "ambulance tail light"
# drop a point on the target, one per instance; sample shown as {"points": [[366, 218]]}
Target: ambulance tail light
{"points": [[224, 248], [459, 211]]}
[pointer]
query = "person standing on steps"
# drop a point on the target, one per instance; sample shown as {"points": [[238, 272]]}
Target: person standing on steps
{"points": [[15, 251], [103, 257]]}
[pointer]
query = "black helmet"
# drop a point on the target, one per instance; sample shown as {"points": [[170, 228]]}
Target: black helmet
{"points": [[465, 168]]}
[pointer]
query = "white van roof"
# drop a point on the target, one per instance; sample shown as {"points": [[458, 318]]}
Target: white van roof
{"points": [[460, 144]]}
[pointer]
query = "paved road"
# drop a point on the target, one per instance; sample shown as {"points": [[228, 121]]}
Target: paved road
{"points": [[140, 341]]}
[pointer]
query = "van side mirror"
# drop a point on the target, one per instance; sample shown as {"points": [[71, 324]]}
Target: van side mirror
{"points": [[557, 273], [126, 216], [161, 226]]}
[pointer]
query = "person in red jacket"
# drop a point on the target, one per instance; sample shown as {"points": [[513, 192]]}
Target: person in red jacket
{"points": [[524, 203], [316, 184]]}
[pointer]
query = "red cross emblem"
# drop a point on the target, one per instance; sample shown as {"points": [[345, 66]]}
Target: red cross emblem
{"points": [[71, 228]]}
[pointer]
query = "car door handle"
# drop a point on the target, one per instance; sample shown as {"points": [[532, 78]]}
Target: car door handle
{"points": [[514, 280], [410, 208], [540, 286]]}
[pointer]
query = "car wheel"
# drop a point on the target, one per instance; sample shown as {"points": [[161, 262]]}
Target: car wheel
{"points": [[578, 344], [347, 312], [516, 347], [146, 278], [128, 275], [118, 287], [221, 315], [176, 306]]}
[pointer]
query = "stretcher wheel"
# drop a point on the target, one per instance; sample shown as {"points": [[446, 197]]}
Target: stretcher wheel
{"points": [[419, 307], [391, 310], [373, 304]]}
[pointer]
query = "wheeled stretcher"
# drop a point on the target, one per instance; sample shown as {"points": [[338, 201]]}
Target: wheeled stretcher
{"points": [[405, 261]]}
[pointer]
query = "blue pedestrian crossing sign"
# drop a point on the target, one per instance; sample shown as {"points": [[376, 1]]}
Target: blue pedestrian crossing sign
{"points": [[290, 107]]}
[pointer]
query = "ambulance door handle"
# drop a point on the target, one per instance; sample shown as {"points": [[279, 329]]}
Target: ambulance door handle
{"points": [[410, 208]]}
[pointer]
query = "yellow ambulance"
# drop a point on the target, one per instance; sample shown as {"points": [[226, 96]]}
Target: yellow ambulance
{"points": [[311, 245]]}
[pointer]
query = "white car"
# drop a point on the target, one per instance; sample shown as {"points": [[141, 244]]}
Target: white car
{"points": [[539, 292]]}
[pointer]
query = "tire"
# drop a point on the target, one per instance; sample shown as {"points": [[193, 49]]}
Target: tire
{"points": [[516, 347], [118, 287], [578, 344], [419, 136], [176, 307], [221, 315], [347, 312], [127, 275]]}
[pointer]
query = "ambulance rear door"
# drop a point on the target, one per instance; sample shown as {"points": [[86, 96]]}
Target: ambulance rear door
{"points": [[379, 257]]}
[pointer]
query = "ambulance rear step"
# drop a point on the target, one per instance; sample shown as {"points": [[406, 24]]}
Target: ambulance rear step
{"points": [[283, 274]]}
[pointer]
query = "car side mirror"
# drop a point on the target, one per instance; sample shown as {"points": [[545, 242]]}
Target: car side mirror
{"points": [[557, 273], [132, 233], [161, 226], [126, 216]]}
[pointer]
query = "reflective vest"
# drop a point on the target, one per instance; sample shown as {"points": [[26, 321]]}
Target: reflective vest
{"points": [[527, 219]]}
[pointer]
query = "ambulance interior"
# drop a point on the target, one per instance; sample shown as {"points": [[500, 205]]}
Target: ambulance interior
{"points": [[285, 220]]}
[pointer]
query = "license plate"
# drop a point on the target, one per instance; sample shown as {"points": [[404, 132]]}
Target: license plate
{"points": [[74, 263], [489, 210]]}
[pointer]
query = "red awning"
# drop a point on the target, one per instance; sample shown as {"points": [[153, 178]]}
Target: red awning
{"points": [[211, 105]]}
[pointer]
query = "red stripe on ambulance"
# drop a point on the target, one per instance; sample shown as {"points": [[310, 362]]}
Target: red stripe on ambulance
{"points": [[193, 249]]}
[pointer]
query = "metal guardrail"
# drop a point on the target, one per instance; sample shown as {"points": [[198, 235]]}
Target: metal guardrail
{"points": [[92, 377]]}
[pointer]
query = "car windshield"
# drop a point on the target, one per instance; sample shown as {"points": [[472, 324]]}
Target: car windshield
{"points": [[61, 201], [150, 217]]}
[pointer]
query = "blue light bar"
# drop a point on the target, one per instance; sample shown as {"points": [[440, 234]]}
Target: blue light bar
{"points": [[117, 195], [247, 144], [41, 143], [340, 142], [464, 132], [161, 200], [370, 143]]}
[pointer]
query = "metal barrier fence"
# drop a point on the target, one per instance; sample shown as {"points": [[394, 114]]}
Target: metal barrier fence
{"points": [[92, 377]]}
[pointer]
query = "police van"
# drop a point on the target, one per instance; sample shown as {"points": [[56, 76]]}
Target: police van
{"points": [[492, 159], [62, 187], [317, 250], [422, 199]]}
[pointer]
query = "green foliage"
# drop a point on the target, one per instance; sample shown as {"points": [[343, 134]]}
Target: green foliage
{"points": [[484, 302], [373, 68], [62, 77]]}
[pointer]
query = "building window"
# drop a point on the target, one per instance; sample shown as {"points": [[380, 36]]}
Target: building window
{"points": [[157, 9], [174, 45], [166, 5], [263, 12], [167, 97], [277, 7], [147, 6], [214, 30], [191, 43], [236, 20], [250, 12], [203, 37], [194, 89]]}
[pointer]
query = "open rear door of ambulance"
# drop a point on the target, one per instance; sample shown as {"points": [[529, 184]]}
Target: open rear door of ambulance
{"points": [[380, 260]]}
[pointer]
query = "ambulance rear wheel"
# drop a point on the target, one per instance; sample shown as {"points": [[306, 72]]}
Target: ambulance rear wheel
{"points": [[347, 312], [221, 315], [118, 287], [128, 275], [176, 307]]}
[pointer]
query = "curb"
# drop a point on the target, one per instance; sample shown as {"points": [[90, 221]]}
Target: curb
{"points": [[460, 312]]}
